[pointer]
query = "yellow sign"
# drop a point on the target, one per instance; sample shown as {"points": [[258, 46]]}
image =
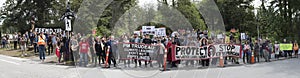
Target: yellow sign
{"points": [[227, 39], [286, 46]]}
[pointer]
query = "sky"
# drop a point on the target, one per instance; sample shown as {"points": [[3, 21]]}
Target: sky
{"points": [[1, 2]]}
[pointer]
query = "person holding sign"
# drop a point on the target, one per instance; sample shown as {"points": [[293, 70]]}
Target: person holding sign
{"points": [[147, 41], [135, 39]]}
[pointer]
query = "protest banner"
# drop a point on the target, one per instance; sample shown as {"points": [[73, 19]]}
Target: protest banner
{"points": [[50, 30], [210, 51], [138, 51], [285, 46]]}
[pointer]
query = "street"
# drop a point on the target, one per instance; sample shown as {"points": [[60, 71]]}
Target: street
{"points": [[12, 67]]}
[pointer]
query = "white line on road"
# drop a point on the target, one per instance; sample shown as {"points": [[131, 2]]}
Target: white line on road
{"points": [[15, 58], [10, 62]]}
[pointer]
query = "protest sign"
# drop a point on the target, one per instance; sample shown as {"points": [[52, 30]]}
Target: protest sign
{"points": [[190, 52], [160, 32], [148, 30], [226, 50], [286, 46]]}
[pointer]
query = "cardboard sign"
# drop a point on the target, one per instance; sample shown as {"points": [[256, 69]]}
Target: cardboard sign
{"points": [[68, 24], [148, 30], [160, 32]]}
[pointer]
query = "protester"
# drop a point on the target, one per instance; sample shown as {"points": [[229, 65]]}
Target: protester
{"points": [[3, 41], [93, 56], [74, 48], [98, 48], [266, 51], [42, 44], [49, 43], [31, 37], [15, 38], [246, 52], [276, 50], [112, 50], [204, 42], [296, 48], [256, 51], [54, 40], [161, 51], [147, 41], [83, 49], [23, 44], [135, 39]]}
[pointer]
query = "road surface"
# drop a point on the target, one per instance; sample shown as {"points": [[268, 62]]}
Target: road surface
{"points": [[12, 67]]}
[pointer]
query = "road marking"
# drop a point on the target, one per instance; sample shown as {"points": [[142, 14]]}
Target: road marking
{"points": [[10, 62], [15, 58]]}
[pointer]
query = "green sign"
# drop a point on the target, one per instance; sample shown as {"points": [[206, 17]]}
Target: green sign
{"points": [[286, 46]]}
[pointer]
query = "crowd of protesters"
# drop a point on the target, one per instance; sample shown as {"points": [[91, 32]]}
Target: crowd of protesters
{"points": [[87, 49]]}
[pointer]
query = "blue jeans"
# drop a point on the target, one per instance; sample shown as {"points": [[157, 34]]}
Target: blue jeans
{"points": [[42, 51], [83, 58]]}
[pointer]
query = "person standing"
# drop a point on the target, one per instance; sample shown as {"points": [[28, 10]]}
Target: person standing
{"points": [[23, 44], [265, 47], [98, 48], [54, 41], [247, 52], [83, 49], [161, 52], [50, 44], [93, 56], [296, 48], [147, 41], [256, 51], [74, 48], [204, 42], [276, 50], [42, 44], [112, 50], [135, 39], [35, 45], [15, 38], [31, 37]]}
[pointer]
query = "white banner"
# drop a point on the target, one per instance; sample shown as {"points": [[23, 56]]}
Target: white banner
{"points": [[50, 30], [148, 30]]}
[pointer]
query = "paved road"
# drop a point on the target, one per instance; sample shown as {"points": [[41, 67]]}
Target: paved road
{"points": [[11, 67]]}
